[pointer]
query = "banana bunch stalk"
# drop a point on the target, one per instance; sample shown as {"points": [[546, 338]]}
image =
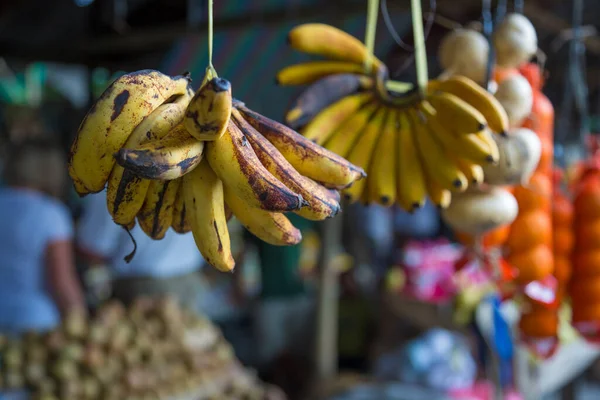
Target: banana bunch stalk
{"points": [[412, 145], [192, 161]]}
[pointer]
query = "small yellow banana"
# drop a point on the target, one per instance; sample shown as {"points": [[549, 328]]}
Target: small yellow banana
{"points": [[468, 146], [343, 139], [311, 71], [320, 204], [439, 196], [454, 112], [111, 120], [156, 215], [168, 158], [308, 158], [208, 113], [383, 170], [411, 187], [327, 121], [204, 201], [329, 42], [181, 218], [469, 91], [233, 160], [125, 192], [473, 171], [362, 153], [271, 227], [436, 163]]}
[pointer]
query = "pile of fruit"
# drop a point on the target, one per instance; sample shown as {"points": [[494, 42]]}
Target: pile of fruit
{"points": [[172, 158], [151, 350]]}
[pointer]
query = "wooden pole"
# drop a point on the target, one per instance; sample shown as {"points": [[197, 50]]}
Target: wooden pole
{"points": [[327, 303]]}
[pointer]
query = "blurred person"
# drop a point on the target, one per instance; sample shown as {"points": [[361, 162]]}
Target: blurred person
{"points": [[38, 281], [167, 267]]}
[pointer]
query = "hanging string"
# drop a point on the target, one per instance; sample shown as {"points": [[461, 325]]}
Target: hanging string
{"points": [[210, 69], [501, 8], [419, 39], [519, 6], [431, 19], [370, 32], [488, 27]]}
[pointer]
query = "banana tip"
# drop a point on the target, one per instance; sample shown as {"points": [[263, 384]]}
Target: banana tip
{"points": [[220, 85]]}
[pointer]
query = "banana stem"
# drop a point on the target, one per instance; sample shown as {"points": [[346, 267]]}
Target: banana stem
{"points": [[210, 69], [370, 32], [398, 87], [419, 39]]}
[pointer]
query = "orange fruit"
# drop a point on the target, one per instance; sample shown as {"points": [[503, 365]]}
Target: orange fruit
{"points": [[587, 235], [586, 312], [494, 238], [585, 291], [587, 264], [537, 195], [533, 264], [587, 201], [562, 210], [539, 323], [499, 74], [530, 229], [562, 269], [563, 240]]}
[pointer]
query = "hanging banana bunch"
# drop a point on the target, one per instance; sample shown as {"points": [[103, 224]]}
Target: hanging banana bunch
{"points": [[170, 157], [432, 142]]}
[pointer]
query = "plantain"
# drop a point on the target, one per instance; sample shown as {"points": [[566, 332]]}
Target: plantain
{"points": [[168, 158], [111, 120], [204, 201], [236, 164], [309, 159], [320, 203], [208, 113]]}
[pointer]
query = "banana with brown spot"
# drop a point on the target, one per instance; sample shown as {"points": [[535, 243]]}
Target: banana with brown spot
{"points": [[110, 121]]}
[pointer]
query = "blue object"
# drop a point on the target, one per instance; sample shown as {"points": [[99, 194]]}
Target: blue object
{"points": [[502, 342]]}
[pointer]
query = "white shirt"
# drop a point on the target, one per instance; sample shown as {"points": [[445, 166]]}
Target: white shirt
{"points": [[174, 255], [29, 222]]}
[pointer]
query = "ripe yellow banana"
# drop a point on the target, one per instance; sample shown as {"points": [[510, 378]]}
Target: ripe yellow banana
{"points": [[469, 91], [110, 121], [126, 192], [412, 191], [346, 135], [233, 160], [473, 171], [436, 163], [311, 71], [454, 112], [322, 94], [383, 170], [329, 42], [439, 196], [362, 152], [168, 158], [271, 227], [320, 205], [181, 218], [467, 146], [156, 215], [204, 201], [308, 158], [208, 113], [327, 121]]}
